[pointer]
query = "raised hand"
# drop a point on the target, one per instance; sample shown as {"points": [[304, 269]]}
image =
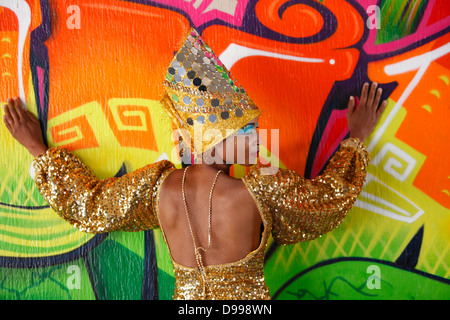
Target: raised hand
{"points": [[24, 127], [362, 119]]}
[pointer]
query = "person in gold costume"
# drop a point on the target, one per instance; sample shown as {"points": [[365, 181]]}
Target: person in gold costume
{"points": [[215, 226]]}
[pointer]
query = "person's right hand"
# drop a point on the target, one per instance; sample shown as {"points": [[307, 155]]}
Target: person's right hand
{"points": [[24, 127]]}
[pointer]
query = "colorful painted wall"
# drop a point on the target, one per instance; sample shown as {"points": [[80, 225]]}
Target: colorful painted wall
{"points": [[92, 72]]}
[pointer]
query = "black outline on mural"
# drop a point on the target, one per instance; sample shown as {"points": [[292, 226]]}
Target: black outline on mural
{"points": [[40, 262]]}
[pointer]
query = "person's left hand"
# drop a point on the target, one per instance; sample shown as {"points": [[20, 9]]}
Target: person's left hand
{"points": [[362, 119], [24, 127]]}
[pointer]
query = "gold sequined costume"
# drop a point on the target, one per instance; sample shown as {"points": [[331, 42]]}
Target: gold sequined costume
{"points": [[292, 209]]}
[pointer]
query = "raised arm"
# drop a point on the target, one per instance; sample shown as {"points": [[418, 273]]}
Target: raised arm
{"points": [[97, 206], [303, 209], [91, 205]]}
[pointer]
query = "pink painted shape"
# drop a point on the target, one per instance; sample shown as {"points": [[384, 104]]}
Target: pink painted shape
{"points": [[367, 3], [198, 16], [334, 133], [40, 74]]}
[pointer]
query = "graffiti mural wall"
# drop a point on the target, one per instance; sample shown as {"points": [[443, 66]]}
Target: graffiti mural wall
{"points": [[92, 72]]}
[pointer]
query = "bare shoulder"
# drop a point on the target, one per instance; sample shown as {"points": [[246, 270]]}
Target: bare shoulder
{"points": [[172, 180], [235, 195], [170, 187], [227, 187]]}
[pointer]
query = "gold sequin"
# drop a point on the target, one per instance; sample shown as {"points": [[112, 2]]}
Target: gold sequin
{"points": [[203, 99], [98, 206], [292, 209], [304, 209]]}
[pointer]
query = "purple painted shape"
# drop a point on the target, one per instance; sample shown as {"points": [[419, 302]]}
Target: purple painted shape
{"points": [[42, 33], [39, 57]]}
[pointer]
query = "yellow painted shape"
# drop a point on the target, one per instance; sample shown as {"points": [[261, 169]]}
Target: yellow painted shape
{"points": [[427, 107], [436, 93], [444, 78]]}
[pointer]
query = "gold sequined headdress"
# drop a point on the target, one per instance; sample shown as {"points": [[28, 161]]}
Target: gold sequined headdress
{"points": [[202, 97]]}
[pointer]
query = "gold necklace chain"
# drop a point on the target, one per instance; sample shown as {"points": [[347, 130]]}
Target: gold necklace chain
{"points": [[198, 256]]}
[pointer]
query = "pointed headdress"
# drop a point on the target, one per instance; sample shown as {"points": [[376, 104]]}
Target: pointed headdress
{"points": [[202, 97]]}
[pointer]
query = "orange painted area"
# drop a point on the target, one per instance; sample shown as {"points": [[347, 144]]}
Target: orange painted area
{"points": [[74, 134], [426, 126], [121, 50], [291, 93], [9, 45], [135, 128], [426, 129]]}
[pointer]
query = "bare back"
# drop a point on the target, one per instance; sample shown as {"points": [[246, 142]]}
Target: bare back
{"points": [[235, 223]]}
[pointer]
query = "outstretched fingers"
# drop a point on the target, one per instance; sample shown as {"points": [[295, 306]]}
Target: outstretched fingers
{"points": [[13, 111], [10, 112], [7, 118], [19, 109], [364, 93], [381, 109], [351, 105], [30, 116], [376, 101], [371, 98]]}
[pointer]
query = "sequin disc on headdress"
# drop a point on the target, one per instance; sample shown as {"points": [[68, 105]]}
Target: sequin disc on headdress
{"points": [[202, 98]]}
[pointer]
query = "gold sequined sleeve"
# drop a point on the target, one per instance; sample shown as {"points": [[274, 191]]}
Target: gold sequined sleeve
{"points": [[303, 209], [93, 205]]}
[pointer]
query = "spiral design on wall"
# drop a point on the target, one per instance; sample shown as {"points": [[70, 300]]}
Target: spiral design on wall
{"points": [[291, 21]]}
